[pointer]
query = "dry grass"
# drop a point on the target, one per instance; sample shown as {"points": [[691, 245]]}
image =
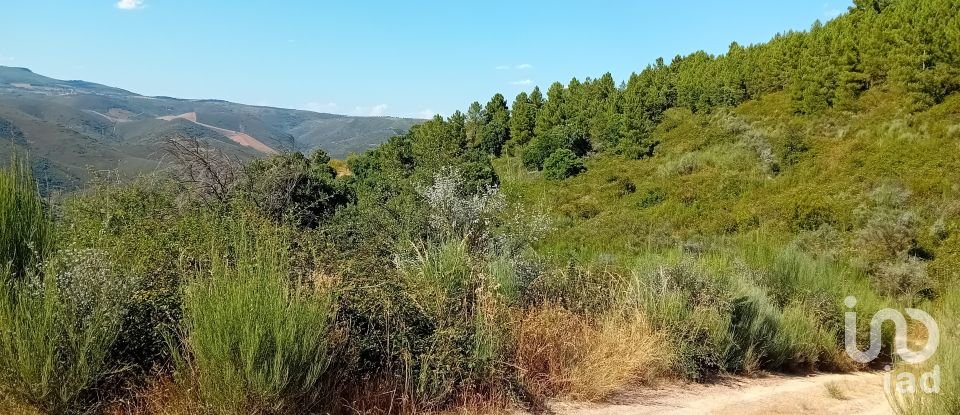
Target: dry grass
{"points": [[560, 353], [837, 391], [9, 406], [341, 167], [161, 397]]}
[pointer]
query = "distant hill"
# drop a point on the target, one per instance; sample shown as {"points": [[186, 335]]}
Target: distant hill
{"points": [[71, 128]]}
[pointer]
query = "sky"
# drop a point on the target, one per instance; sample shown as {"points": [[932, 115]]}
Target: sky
{"points": [[409, 59]]}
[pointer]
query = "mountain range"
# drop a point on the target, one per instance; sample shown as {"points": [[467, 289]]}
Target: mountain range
{"points": [[72, 129]]}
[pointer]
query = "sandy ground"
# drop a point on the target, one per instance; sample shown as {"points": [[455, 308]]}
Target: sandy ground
{"points": [[859, 393]]}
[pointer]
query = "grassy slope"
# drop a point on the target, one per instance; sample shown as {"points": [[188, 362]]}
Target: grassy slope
{"points": [[708, 180]]}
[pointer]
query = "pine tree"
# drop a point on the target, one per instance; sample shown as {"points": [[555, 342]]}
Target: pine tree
{"points": [[523, 119], [475, 120], [551, 113], [496, 131]]}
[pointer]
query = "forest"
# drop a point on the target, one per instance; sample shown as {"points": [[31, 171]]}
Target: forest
{"points": [[706, 217]]}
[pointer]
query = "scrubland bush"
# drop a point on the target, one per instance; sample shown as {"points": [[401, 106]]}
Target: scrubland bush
{"points": [[693, 306], [888, 244], [562, 164], [254, 341], [57, 327], [154, 239]]}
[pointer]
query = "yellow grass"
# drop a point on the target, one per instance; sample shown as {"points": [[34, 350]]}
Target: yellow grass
{"points": [[560, 353]]}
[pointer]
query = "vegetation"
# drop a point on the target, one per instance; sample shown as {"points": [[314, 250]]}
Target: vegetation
{"points": [[708, 217]]}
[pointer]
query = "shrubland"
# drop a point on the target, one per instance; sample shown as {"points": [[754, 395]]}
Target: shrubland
{"points": [[706, 218]]}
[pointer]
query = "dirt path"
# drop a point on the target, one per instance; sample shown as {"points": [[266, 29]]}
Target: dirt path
{"points": [[859, 393], [236, 136]]}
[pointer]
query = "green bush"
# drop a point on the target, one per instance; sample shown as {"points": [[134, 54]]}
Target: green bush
{"points": [[947, 359], [253, 341], [694, 306], [562, 164], [155, 240], [536, 153], [292, 187], [461, 309], [56, 331]]}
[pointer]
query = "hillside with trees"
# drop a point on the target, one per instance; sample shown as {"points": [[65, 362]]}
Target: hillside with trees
{"points": [[707, 217]]}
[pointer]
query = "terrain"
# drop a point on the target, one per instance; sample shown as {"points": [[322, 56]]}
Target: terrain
{"points": [[686, 242], [72, 129], [838, 394]]}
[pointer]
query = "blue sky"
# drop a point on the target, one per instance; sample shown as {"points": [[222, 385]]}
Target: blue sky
{"points": [[373, 58]]}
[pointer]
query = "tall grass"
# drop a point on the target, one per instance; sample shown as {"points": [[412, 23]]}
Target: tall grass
{"points": [[947, 357], [460, 317], [55, 338], [739, 310], [255, 343], [55, 329], [24, 224]]}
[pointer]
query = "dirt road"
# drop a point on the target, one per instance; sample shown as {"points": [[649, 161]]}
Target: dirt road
{"points": [[859, 393]]}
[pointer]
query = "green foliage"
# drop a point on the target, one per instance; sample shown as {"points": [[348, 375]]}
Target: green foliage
{"points": [[495, 131], [295, 188], [464, 342], [562, 164], [24, 223], [56, 332], [731, 201], [523, 117], [154, 239], [560, 137], [254, 341], [946, 361]]}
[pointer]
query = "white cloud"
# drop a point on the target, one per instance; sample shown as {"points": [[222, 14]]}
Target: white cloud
{"points": [[522, 82], [519, 67], [130, 4], [378, 110], [321, 107], [426, 114]]}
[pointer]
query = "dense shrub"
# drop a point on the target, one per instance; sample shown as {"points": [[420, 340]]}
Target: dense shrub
{"points": [[154, 239], [56, 331], [562, 164], [296, 188], [541, 148], [255, 342]]}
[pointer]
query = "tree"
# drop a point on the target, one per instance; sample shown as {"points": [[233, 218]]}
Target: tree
{"points": [[562, 164], [496, 131], [560, 137], [475, 120], [536, 98], [292, 187], [551, 114], [523, 119], [435, 144]]}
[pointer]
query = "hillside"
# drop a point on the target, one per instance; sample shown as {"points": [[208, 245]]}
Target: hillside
{"points": [[71, 127], [751, 215]]}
